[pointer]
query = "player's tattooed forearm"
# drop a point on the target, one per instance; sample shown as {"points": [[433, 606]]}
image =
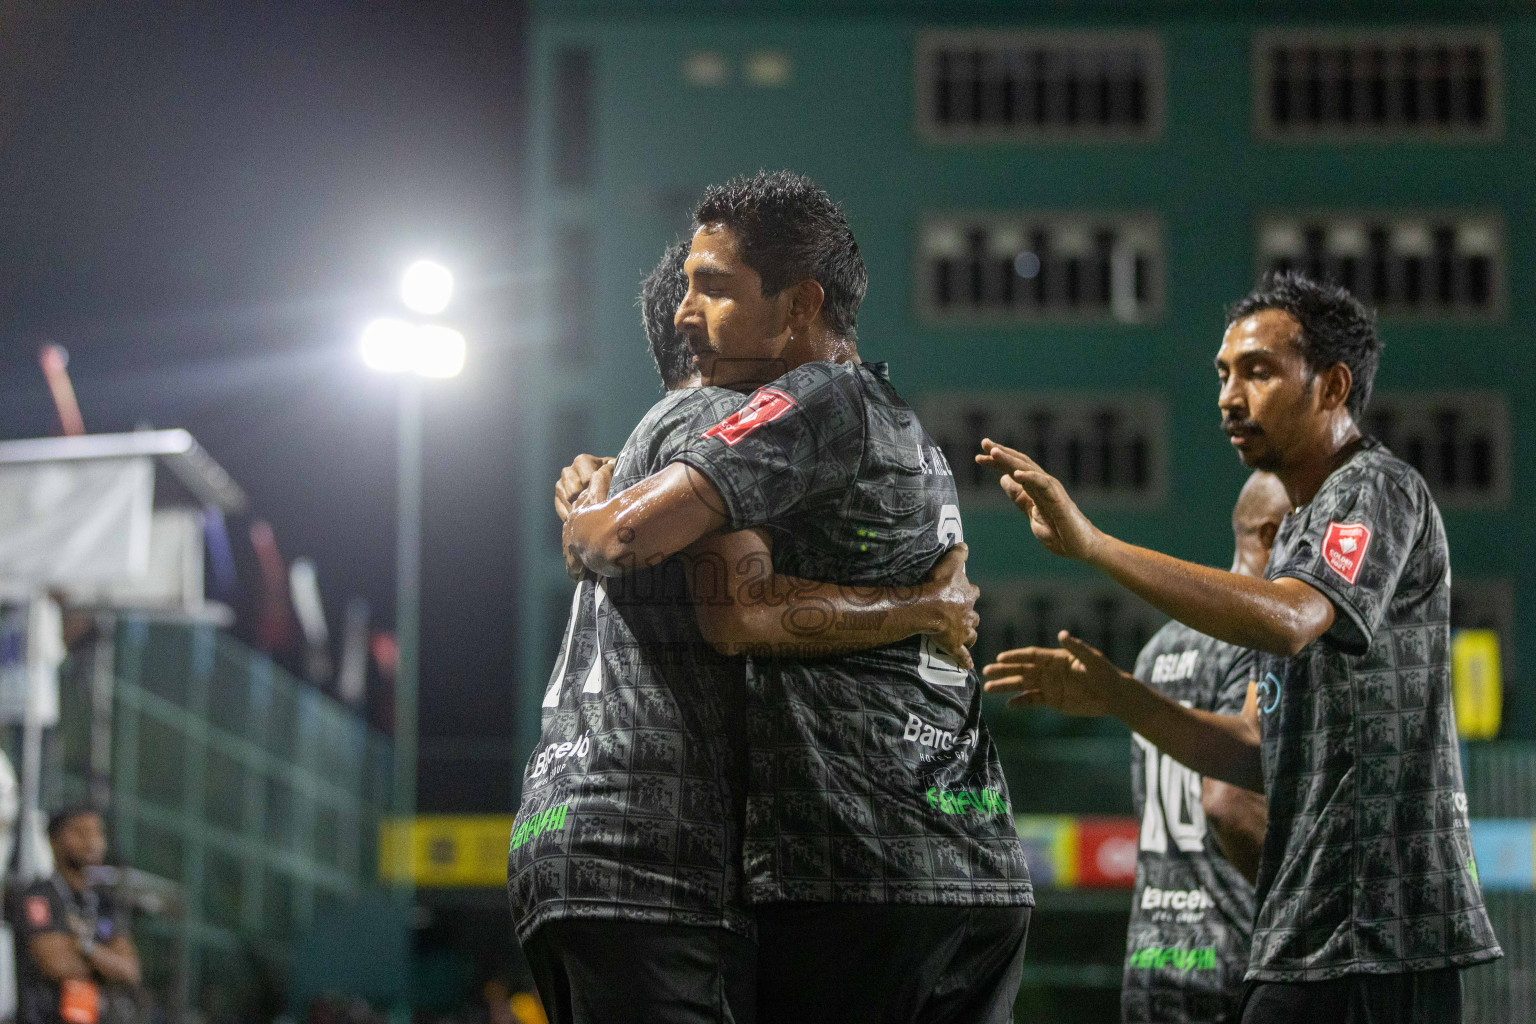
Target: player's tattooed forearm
{"points": [[808, 618]]}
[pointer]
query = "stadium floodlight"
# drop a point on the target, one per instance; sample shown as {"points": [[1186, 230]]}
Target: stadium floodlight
{"points": [[426, 287], [387, 345], [427, 350], [437, 352], [411, 351]]}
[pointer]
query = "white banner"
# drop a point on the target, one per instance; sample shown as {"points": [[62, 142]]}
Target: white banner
{"points": [[71, 523]]}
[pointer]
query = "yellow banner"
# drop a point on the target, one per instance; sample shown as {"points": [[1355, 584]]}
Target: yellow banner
{"points": [[446, 851], [1476, 683]]}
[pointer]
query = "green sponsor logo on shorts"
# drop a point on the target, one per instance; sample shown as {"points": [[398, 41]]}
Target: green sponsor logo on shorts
{"points": [[1157, 957], [537, 824], [964, 801]]}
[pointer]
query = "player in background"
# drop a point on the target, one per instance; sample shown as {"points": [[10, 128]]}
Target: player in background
{"points": [[1368, 898], [624, 869], [1192, 909], [880, 850]]}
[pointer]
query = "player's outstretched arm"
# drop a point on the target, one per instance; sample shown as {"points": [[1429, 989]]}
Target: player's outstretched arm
{"points": [[641, 525], [1076, 679], [744, 607], [1238, 816], [1277, 616]]}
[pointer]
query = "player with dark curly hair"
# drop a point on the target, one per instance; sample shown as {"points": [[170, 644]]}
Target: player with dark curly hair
{"points": [[1368, 899], [624, 871], [879, 850]]}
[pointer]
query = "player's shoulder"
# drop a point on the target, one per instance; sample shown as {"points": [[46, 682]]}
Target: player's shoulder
{"points": [[39, 905], [40, 887], [1173, 636], [683, 408], [1375, 467], [818, 379]]}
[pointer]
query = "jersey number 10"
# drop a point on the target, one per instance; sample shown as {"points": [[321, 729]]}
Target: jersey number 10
{"points": [[1172, 805]]}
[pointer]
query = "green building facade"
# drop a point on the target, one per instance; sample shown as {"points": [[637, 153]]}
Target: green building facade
{"points": [[1170, 153], [1055, 203]]}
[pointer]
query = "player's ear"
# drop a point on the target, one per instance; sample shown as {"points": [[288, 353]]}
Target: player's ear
{"points": [[1336, 383], [805, 302]]}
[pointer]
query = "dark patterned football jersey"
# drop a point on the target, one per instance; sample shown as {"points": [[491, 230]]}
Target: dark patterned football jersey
{"points": [[632, 801], [1192, 913], [1367, 864], [873, 778]]}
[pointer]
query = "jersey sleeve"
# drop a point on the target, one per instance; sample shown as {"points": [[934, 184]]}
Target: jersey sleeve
{"points": [[1353, 548], [795, 440], [41, 912], [1232, 685]]}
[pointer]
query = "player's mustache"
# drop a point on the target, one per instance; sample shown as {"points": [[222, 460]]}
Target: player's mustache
{"points": [[1234, 426]]}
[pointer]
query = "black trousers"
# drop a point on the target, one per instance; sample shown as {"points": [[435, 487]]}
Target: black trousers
{"points": [[1416, 997], [629, 972], [843, 963]]}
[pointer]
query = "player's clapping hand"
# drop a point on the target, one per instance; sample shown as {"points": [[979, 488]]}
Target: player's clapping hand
{"points": [[1054, 517], [593, 491], [1074, 678], [574, 480], [955, 598]]}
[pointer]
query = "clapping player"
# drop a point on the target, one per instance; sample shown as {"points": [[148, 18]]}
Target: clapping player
{"points": [[1368, 899]]}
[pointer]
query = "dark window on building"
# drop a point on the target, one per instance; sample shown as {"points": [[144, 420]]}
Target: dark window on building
{"points": [[1040, 268], [277, 904], [574, 275], [1102, 447], [1458, 441], [1030, 613], [1415, 265], [223, 791], [1374, 84], [223, 889], [1026, 86], [571, 115]]}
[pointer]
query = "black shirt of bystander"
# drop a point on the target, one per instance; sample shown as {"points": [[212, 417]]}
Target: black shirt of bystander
{"points": [[50, 905]]}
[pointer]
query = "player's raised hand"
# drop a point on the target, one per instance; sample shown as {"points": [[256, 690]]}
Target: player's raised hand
{"points": [[1054, 517], [574, 480], [1074, 678], [954, 597]]}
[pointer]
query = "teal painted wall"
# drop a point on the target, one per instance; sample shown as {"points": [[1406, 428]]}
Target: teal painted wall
{"points": [[846, 119]]}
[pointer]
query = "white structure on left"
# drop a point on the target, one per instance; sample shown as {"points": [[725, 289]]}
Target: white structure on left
{"points": [[89, 521]]}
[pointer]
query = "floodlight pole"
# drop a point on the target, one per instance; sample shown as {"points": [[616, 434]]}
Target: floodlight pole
{"points": [[408, 646], [407, 606]]}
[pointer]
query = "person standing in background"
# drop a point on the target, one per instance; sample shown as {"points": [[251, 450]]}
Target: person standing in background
{"points": [[75, 959]]}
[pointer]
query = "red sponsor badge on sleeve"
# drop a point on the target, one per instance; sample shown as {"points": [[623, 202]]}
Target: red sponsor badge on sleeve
{"points": [[765, 406], [1344, 548], [38, 914]]}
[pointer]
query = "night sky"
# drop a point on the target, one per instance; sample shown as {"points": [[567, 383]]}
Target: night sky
{"points": [[204, 202]]}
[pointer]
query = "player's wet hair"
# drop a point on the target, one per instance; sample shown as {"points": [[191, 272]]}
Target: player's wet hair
{"points": [[661, 293], [1336, 327], [60, 819], [788, 230]]}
